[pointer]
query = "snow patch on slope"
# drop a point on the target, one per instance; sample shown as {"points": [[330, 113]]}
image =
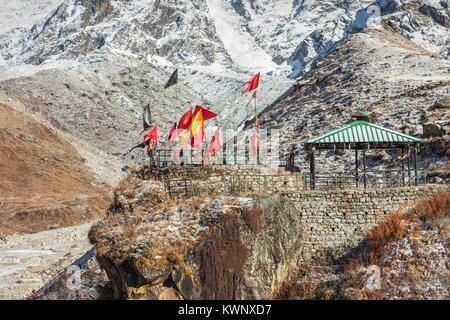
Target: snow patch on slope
{"points": [[24, 13]]}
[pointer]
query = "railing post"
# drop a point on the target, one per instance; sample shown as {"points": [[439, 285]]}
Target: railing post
{"points": [[312, 169], [403, 167], [364, 167], [409, 167]]}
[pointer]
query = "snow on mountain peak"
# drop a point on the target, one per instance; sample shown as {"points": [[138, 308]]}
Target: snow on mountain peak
{"points": [[248, 36]]}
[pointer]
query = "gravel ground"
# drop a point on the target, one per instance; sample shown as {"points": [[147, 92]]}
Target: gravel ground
{"points": [[27, 262]]}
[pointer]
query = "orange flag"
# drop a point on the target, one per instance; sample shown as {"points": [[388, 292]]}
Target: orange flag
{"points": [[197, 122]]}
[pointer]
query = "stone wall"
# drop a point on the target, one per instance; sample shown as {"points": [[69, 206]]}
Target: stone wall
{"points": [[202, 172], [337, 219]]}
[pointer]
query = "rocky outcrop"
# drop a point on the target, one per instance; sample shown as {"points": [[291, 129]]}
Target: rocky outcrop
{"points": [[432, 130], [204, 248]]}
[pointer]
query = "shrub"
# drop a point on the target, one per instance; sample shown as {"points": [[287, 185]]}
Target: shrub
{"points": [[431, 211], [378, 237]]}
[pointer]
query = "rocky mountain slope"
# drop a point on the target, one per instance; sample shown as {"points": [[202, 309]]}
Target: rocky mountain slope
{"points": [[217, 44], [99, 108], [44, 180], [393, 80], [265, 35]]}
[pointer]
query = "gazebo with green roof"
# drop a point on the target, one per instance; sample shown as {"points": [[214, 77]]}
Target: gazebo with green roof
{"points": [[363, 135]]}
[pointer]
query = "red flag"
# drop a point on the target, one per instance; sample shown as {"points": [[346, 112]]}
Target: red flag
{"points": [[184, 123], [185, 120], [172, 130], [214, 145], [152, 135], [253, 83], [206, 113]]}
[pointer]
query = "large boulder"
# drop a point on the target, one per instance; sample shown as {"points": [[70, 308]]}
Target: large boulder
{"points": [[212, 247], [432, 130]]}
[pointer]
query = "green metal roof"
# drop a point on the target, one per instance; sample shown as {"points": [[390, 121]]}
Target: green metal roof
{"points": [[363, 132]]}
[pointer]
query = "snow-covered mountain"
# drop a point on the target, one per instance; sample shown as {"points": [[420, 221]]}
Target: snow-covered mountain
{"points": [[280, 36], [216, 44]]}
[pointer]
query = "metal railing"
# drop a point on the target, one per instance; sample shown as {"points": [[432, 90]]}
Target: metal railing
{"points": [[164, 158], [285, 183]]}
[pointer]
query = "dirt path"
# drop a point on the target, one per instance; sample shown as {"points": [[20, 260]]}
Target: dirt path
{"points": [[28, 261]]}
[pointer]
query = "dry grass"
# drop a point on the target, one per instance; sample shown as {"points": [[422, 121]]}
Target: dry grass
{"points": [[431, 212], [44, 181]]}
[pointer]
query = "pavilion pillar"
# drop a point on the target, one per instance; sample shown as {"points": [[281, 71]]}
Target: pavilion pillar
{"points": [[415, 165], [312, 169], [364, 168], [409, 168], [356, 166], [403, 166]]}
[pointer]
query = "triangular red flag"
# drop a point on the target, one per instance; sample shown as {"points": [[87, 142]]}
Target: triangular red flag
{"points": [[253, 83], [183, 124], [206, 113], [152, 135], [185, 120]]}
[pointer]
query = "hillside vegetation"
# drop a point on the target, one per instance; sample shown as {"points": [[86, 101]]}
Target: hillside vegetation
{"points": [[405, 257]]}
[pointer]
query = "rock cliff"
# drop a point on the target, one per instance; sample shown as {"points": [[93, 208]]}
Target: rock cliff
{"points": [[214, 247]]}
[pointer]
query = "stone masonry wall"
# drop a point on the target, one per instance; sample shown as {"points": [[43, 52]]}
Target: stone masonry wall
{"points": [[202, 172], [337, 219]]}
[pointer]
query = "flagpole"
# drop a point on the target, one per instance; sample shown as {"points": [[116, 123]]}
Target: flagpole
{"points": [[257, 130]]}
